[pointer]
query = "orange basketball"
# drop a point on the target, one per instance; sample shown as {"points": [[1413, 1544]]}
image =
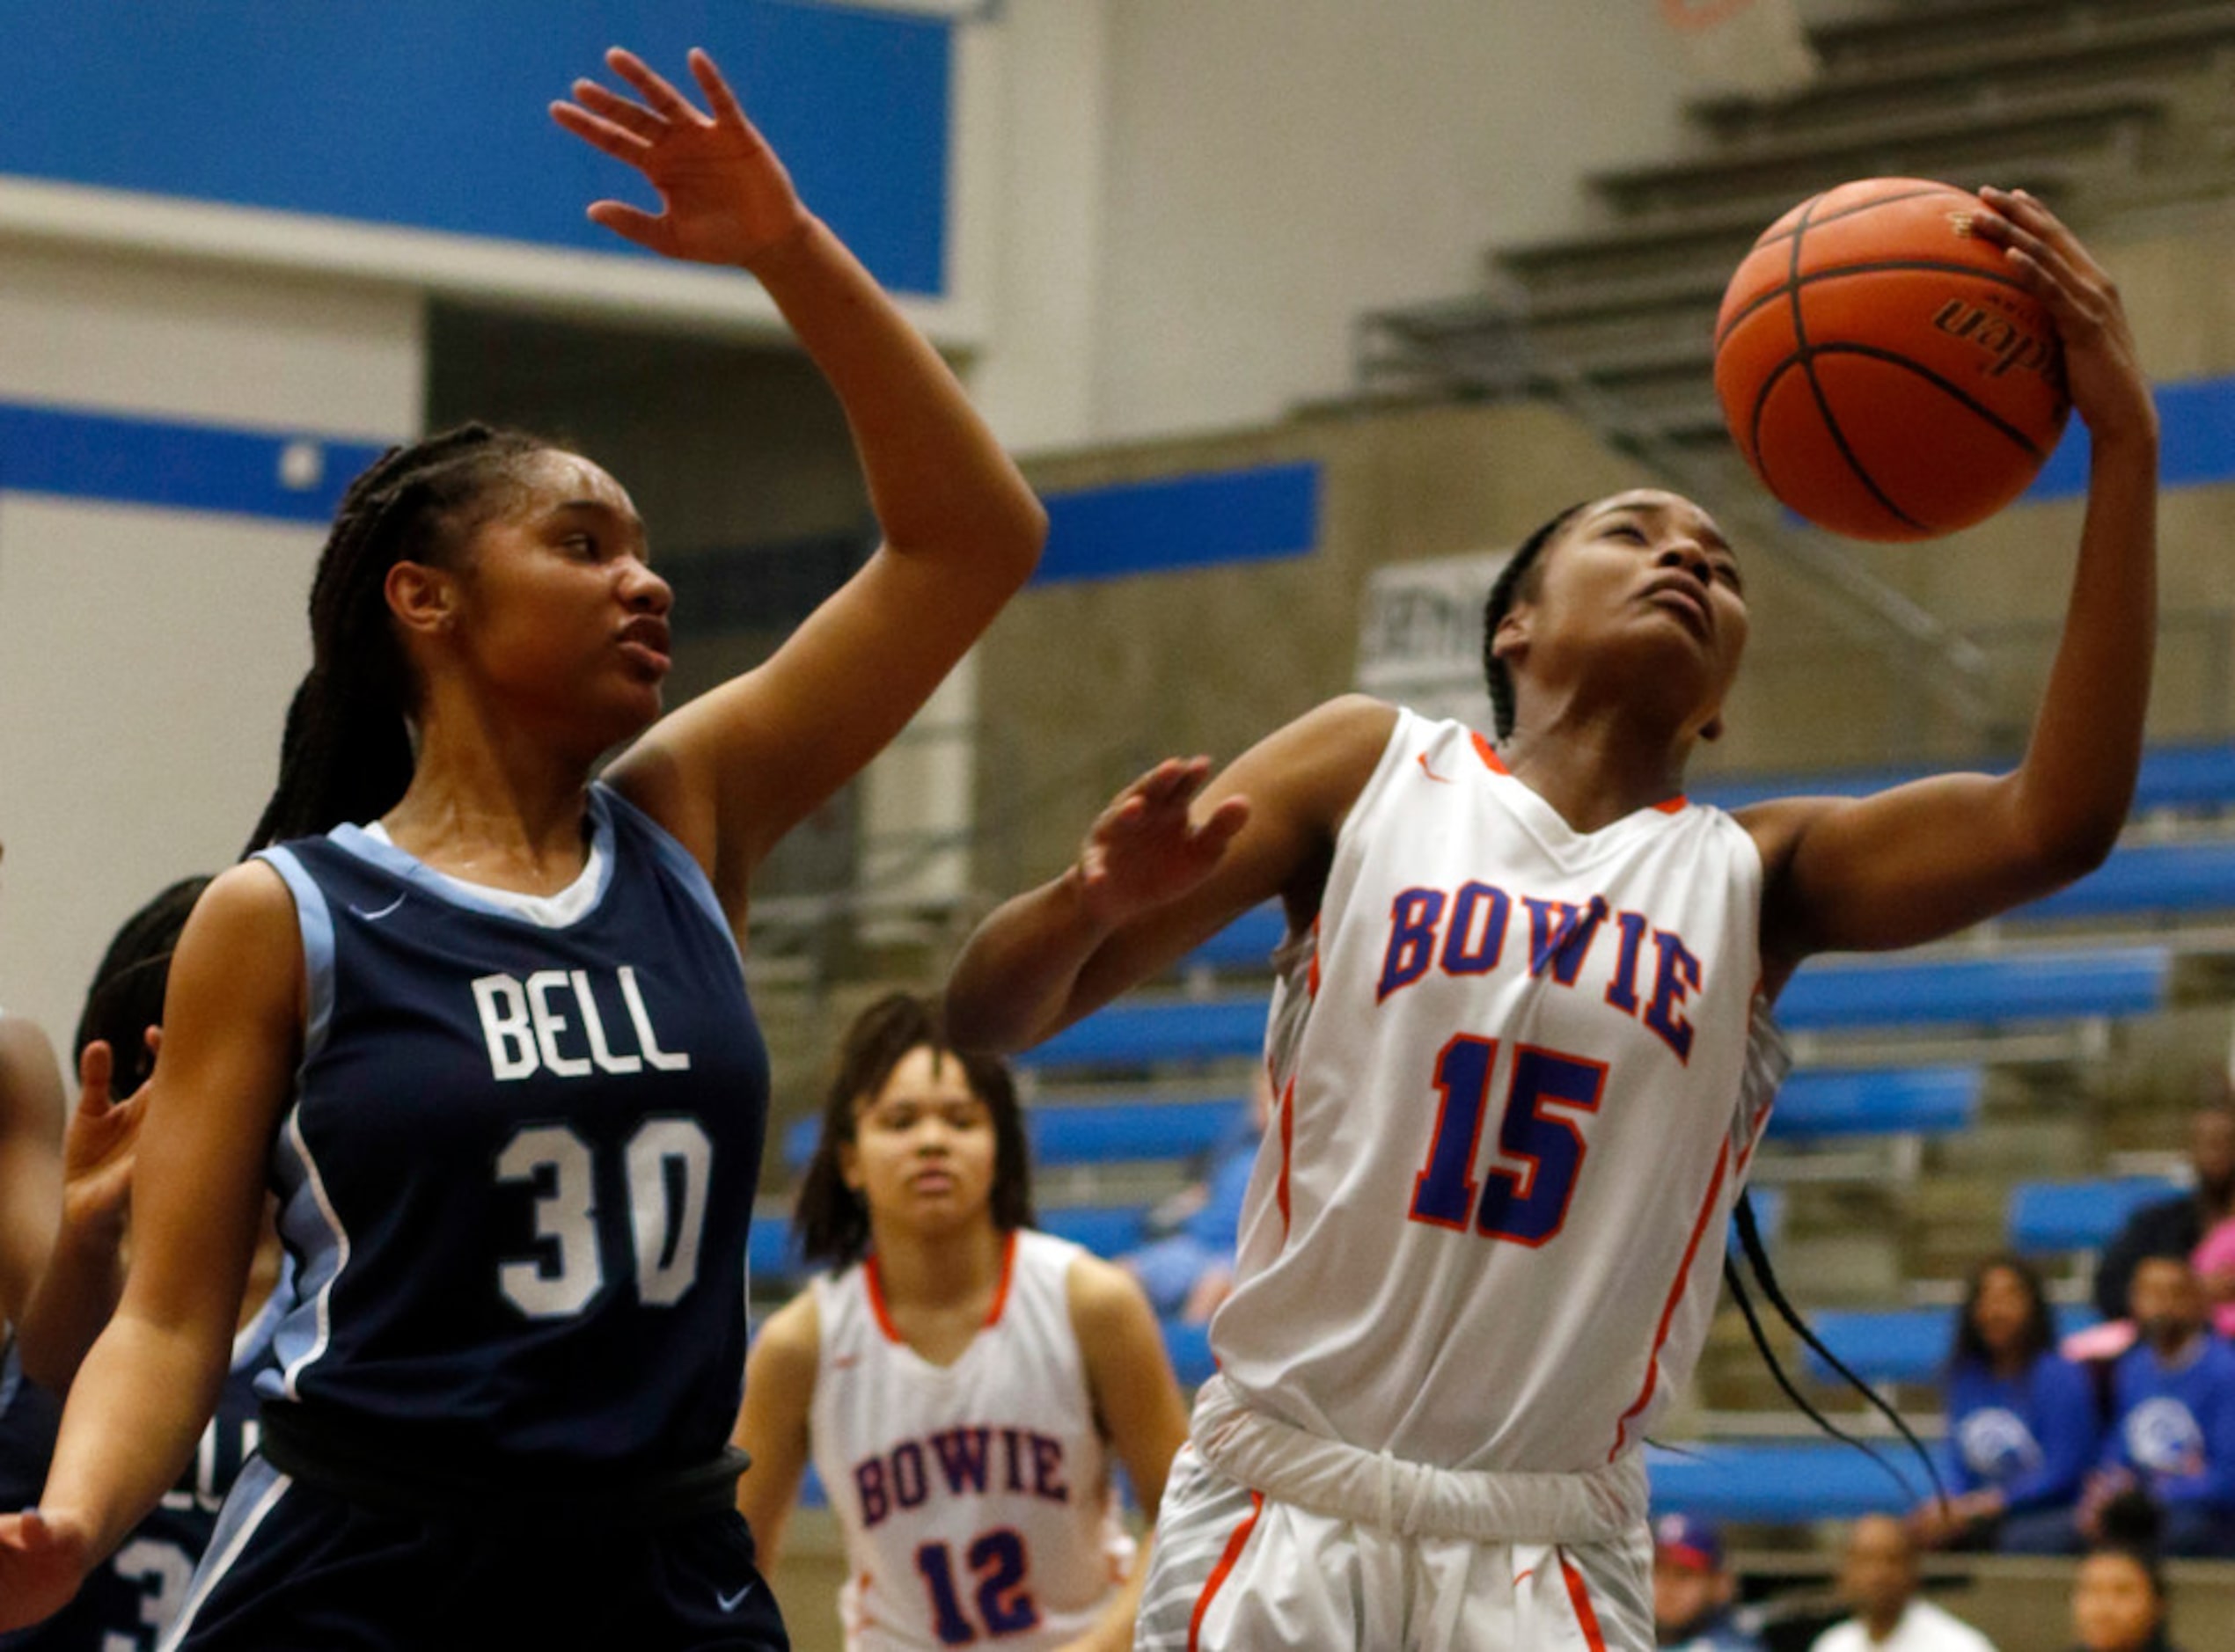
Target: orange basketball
{"points": [[1882, 369]]}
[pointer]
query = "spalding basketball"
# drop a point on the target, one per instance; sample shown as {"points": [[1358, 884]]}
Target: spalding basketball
{"points": [[1884, 369]]}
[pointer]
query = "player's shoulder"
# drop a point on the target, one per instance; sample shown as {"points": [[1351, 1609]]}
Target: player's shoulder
{"points": [[791, 1339], [1105, 1301]]}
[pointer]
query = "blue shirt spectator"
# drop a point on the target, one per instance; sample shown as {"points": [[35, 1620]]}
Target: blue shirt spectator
{"points": [[2173, 1431], [2024, 1426], [1694, 1589]]}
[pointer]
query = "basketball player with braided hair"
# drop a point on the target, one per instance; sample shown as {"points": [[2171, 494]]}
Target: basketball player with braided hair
{"points": [[1523, 1044], [482, 1017]]}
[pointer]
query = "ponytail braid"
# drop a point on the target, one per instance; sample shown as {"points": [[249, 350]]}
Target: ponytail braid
{"points": [[345, 754]]}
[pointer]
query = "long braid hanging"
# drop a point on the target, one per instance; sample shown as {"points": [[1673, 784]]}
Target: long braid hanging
{"points": [[1765, 1277], [346, 753]]}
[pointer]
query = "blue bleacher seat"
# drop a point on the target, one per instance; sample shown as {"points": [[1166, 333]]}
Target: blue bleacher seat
{"points": [[2006, 988], [1107, 1230], [1141, 1035], [1883, 1101], [1189, 1348], [1105, 1132], [2142, 880], [2199, 776], [1783, 1483], [769, 1252], [1247, 943], [2048, 1217], [1901, 1345]]}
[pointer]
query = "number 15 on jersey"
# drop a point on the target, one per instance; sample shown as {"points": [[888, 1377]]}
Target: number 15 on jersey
{"points": [[1525, 1192]]}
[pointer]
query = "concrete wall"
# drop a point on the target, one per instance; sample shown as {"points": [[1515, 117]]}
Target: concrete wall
{"points": [[146, 655]]}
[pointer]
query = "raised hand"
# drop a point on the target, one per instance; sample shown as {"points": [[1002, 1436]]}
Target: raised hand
{"points": [[727, 198], [41, 1566], [1144, 849], [100, 1144], [2101, 367]]}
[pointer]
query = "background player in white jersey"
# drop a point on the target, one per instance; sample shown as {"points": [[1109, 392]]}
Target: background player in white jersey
{"points": [[1441, 1353], [493, 1043], [959, 1380]]}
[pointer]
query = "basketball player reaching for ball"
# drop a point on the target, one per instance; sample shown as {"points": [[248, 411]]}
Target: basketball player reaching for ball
{"points": [[1523, 1045], [483, 1020], [959, 1380]]}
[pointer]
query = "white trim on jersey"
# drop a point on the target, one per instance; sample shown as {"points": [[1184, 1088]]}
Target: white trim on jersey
{"points": [[322, 1295], [225, 1546]]}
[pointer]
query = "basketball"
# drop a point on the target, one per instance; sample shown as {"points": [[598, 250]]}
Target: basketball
{"points": [[1883, 369]]}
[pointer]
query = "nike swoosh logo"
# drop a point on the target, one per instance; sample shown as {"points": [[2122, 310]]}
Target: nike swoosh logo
{"points": [[728, 1603], [1441, 779], [374, 917]]}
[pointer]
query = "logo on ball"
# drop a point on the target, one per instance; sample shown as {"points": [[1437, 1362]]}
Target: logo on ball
{"points": [[2009, 347]]}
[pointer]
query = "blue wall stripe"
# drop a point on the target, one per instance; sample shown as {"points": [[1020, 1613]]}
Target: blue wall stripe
{"points": [[2197, 419], [80, 454], [431, 113], [1181, 522]]}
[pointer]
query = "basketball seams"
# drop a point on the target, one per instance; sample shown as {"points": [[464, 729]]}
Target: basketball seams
{"points": [[1894, 358], [1773, 235], [1917, 266], [1805, 356]]}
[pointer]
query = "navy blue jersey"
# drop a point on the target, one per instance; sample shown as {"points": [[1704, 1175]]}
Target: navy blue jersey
{"points": [[520, 1162], [129, 1598]]}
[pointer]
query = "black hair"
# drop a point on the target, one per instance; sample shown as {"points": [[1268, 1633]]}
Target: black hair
{"points": [[2036, 1338], [830, 1219], [1765, 1278], [345, 754], [1517, 581], [2131, 1526], [125, 997]]}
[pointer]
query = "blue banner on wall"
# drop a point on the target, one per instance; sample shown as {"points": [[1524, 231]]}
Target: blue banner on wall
{"points": [[432, 114], [1182, 522]]}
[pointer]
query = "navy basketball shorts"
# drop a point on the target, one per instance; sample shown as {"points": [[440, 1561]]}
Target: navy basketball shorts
{"points": [[293, 1567]]}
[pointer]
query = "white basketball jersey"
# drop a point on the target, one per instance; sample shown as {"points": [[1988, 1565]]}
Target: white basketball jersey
{"points": [[1520, 1071], [975, 1497]]}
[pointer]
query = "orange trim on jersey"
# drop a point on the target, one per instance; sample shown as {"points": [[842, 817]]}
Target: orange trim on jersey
{"points": [[878, 1310], [1675, 805], [1675, 1295], [1311, 981], [1227, 1561], [1579, 1597], [1001, 1291], [1287, 1153]]}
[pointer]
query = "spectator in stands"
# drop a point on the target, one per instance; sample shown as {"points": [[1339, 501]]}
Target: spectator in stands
{"points": [[2173, 1429], [1694, 1589], [2178, 1223], [2023, 1428], [1189, 1270], [1878, 1577], [2119, 1601]]}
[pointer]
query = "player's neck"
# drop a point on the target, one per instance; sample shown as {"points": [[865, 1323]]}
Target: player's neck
{"points": [[1593, 769], [502, 812], [952, 1269]]}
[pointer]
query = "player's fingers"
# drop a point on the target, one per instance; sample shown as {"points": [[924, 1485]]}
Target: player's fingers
{"points": [[622, 111], [1177, 780], [720, 99], [1219, 827], [632, 223], [2029, 213], [600, 132], [651, 86], [96, 1066]]}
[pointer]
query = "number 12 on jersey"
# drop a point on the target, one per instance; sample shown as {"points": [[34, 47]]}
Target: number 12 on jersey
{"points": [[1531, 1178]]}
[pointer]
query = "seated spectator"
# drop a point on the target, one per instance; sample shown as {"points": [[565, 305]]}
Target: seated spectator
{"points": [[2172, 1426], [1189, 1271], [2119, 1600], [2177, 1225], [1694, 1589], [2023, 1428], [1878, 1577]]}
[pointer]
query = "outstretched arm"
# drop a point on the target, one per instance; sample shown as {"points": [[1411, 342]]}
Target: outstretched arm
{"points": [[1925, 860], [31, 1173], [1175, 857], [149, 1385], [78, 1291], [731, 772]]}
